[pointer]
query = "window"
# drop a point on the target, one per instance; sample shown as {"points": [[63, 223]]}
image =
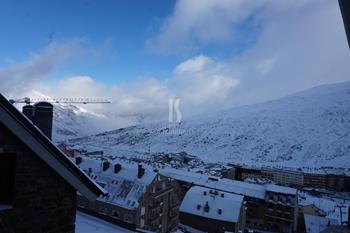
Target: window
{"points": [[7, 178], [116, 214]]}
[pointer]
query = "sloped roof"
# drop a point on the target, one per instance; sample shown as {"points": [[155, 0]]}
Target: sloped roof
{"points": [[32, 137], [124, 187], [280, 189], [316, 224], [197, 197]]}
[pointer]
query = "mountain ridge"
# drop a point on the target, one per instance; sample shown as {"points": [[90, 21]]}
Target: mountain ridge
{"points": [[309, 128]]}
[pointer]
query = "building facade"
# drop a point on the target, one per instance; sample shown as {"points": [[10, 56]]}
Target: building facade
{"points": [[138, 198], [330, 179], [209, 210], [279, 214]]}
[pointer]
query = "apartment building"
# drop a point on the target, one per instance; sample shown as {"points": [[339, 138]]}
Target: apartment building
{"points": [[138, 198], [332, 179], [210, 210], [269, 208], [284, 177], [282, 208]]}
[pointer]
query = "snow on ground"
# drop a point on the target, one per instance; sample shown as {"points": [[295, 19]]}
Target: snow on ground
{"points": [[309, 128], [89, 224], [328, 204]]}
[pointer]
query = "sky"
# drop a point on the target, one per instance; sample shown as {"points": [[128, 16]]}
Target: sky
{"points": [[211, 54]]}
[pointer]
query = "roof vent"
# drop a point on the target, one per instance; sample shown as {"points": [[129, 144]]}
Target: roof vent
{"points": [[206, 207], [105, 165], [140, 171], [220, 211], [213, 179], [78, 160], [117, 168]]}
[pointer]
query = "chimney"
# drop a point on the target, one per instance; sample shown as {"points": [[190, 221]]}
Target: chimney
{"points": [[105, 165], [206, 207], [42, 117], [117, 168], [28, 111], [78, 160], [140, 171]]}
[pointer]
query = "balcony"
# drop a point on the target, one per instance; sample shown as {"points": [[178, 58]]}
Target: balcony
{"points": [[161, 192], [279, 217]]}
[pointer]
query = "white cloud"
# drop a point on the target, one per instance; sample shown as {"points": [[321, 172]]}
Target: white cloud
{"points": [[205, 81], [202, 82], [19, 76], [197, 23]]}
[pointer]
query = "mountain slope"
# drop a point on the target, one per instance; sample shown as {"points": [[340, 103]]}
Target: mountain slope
{"points": [[310, 128]]}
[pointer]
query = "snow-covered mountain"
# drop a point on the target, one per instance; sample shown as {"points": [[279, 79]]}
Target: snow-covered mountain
{"points": [[310, 128], [70, 121]]}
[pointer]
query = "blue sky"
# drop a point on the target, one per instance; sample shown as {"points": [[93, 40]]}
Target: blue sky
{"points": [[119, 28], [30, 24]]}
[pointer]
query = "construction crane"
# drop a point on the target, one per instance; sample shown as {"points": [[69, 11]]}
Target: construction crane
{"points": [[27, 100]]}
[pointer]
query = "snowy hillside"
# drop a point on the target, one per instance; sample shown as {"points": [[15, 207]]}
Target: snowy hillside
{"points": [[71, 121], [310, 128]]}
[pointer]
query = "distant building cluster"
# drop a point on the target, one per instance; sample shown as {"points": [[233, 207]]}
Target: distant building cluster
{"points": [[331, 179]]}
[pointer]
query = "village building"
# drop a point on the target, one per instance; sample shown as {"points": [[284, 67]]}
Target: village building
{"points": [[209, 210], [138, 198], [269, 208], [282, 211], [324, 178], [311, 209], [316, 224], [38, 182]]}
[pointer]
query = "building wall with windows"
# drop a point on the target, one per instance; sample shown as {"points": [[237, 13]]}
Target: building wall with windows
{"points": [[146, 201]]}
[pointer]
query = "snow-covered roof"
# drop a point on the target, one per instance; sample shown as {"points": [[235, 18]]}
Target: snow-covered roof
{"points": [[222, 205], [124, 187], [226, 185], [280, 189], [87, 223], [316, 224]]}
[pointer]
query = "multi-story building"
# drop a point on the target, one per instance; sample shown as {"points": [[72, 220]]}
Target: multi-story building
{"points": [[209, 210], [138, 198], [262, 212], [282, 209], [332, 179], [284, 177]]}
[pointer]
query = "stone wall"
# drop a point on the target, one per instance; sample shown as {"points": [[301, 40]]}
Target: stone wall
{"points": [[43, 201]]}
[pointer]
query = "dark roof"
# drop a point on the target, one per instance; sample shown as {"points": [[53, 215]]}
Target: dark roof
{"points": [[83, 183]]}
